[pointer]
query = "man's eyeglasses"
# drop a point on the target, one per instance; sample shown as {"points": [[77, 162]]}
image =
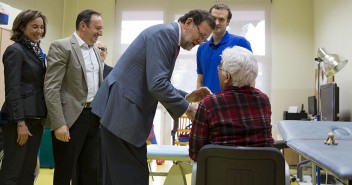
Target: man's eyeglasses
{"points": [[202, 36], [103, 49]]}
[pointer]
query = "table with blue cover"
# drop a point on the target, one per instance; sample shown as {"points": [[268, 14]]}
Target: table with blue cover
{"points": [[307, 138], [182, 163]]}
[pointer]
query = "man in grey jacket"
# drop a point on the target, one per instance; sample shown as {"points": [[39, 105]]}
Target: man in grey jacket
{"points": [[73, 76]]}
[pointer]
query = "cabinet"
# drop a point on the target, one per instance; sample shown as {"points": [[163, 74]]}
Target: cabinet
{"points": [[291, 157], [46, 156]]}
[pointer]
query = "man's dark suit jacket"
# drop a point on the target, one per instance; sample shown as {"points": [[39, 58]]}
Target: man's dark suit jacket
{"points": [[24, 80], [106, 71]]}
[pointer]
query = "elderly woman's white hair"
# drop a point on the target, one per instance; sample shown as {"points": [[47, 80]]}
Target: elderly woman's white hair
{"points": [[241, 64]]}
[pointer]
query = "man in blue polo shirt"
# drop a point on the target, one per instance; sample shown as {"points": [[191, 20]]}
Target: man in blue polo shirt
{"points": [[208, 54]]}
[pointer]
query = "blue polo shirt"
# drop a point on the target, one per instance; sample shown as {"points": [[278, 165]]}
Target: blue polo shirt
{"points": [[208, 58]]}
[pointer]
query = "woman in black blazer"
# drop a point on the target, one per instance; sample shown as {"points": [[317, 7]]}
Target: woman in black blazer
{"points": [[24, 110]]}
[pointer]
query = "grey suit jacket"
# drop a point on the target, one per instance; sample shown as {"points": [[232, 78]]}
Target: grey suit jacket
{"points": [[126, 102], [65, 86]]}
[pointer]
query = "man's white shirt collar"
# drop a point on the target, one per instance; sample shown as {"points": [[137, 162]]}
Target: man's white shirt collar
{"points": [[80, 41]]}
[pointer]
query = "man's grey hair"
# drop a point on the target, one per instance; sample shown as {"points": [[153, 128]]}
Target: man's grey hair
{"points": [[241, 64]]}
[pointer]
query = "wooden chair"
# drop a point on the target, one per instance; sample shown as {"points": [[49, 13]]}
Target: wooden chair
{"points": [[181, 130]]}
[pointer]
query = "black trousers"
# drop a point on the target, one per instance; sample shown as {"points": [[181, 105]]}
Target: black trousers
{"points": [[19, 162], [77, 160], [123, 163], [100, 159]]}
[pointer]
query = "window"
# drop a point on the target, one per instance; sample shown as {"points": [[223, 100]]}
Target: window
{"points": [[134, 22], [252, 26]]}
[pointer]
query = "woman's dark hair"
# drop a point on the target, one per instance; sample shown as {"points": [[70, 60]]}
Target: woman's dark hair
{"points": [[198, 17], [21, 22], [85, 16]]}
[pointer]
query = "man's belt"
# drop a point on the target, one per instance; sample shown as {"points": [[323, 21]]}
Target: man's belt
{"points": [[87, 104]]}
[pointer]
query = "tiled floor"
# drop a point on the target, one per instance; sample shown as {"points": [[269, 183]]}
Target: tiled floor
{"points": [[307, 180], [163, 168], [46, 175]]}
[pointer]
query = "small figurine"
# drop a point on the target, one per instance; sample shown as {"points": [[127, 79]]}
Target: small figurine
{"points": [[330, 139]]}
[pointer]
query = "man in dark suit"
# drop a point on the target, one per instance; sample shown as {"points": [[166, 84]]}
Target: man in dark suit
{"points": [[127, 100], [72, 79], [106, 70], [103, 53]]}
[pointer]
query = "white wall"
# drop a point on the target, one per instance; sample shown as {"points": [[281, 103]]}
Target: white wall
{"points": [[53, 12], [62, 14], [12, 13], [292, 55], [299, 28], [332, 30], [52, 9], [106, 7]]}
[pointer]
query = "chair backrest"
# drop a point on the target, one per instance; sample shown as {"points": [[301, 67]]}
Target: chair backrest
{"points": [[181, 130], [225, 165]]}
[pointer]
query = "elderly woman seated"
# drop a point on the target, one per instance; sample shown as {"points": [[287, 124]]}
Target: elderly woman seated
{"points": [[238, 115]]}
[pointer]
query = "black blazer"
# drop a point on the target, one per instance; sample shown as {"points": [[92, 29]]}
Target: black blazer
{"points": [[24, 79], [106, 71]]}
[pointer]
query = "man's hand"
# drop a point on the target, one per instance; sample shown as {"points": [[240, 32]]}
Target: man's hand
{"points": [[62, 133], [198, 95], [22, 133], [191, 111]]}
